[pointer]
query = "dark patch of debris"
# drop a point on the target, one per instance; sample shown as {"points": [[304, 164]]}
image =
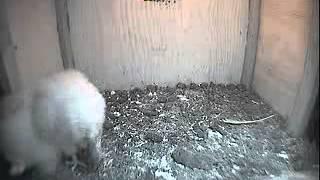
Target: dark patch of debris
{"points": [[193, 159]]}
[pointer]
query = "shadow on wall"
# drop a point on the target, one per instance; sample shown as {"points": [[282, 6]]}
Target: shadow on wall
{"points": [[312, 131]]}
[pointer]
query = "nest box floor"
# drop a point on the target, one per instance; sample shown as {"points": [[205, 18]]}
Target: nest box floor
{"points": [[189, 132], [184, 133]]}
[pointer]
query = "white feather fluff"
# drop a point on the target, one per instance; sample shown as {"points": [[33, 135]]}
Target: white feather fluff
{"points": [[56, 116]]}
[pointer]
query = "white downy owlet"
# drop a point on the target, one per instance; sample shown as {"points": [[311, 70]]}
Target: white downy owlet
{"points": [[57, 116]]}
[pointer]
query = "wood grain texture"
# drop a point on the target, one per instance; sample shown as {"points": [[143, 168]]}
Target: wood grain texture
{"points": [[34, 35], [8, 67], [283, 38], [121, 43], [252, 43], [63, 27], [309, 87]]}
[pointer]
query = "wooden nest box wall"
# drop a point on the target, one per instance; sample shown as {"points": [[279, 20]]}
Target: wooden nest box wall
{"points": [[270, 46]]}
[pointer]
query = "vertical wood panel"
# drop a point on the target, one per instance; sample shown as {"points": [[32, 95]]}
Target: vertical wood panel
{"points": [[284, 28], [63, 27], [34, 35], [252, 43], [309, 87], [8, 69], [121, 43], [5, 86]]}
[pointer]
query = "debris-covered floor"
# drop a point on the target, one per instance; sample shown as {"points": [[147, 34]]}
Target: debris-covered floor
{"points": [[183, 133]]}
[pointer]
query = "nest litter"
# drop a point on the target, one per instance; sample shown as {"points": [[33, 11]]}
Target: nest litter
{"points": [[205, 131]]}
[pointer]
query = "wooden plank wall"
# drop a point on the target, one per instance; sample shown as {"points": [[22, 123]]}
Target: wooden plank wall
{"points": [[4, 44], [63, 27], [34, 40], [7, 54], [309, 87], [252, 43], [283, 39], [121, 43]]}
